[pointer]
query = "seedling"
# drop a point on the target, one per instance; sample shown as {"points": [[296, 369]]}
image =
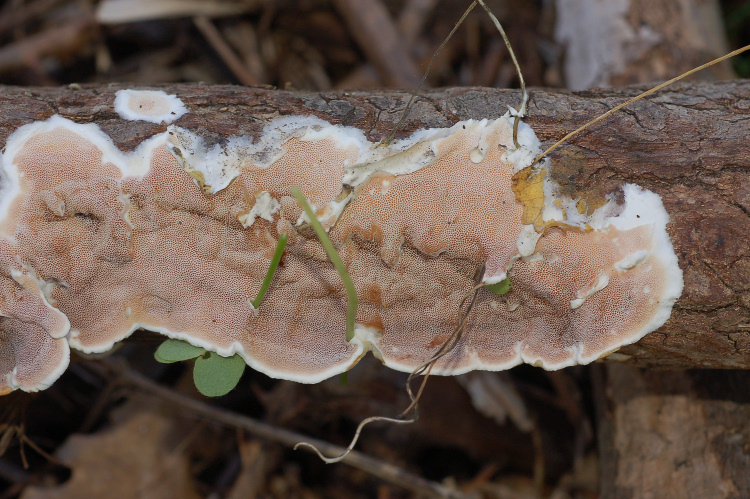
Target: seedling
{"points": [[271, 270], [215, 375]]}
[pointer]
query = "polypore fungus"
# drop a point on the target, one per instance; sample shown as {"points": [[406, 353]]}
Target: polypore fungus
{"points": [[33, 348], [176, 237], [148, 105]]}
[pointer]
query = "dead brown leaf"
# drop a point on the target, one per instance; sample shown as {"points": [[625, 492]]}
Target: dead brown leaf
{"points": [[131, 460]]}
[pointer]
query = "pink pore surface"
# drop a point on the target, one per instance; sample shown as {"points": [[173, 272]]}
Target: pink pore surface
{"points": [[465, 209], [315, 166], [608, 318], [29, 355], [156, 252], [415, 303], [33, 350]]}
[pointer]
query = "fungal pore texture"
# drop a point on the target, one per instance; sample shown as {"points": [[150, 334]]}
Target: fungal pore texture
{"points": [[176, 237]]}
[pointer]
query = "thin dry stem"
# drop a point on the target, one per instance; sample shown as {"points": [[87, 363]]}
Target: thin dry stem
{"points": [[637, 98], [521, 111], [447, 346], [386, 141], [425, 368]]}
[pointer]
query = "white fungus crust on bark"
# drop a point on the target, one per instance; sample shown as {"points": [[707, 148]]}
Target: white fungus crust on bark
{"points": [[176, 237], [154, 106]]}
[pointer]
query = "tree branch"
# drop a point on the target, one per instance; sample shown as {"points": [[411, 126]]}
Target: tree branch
{"points": [[688, 144]]}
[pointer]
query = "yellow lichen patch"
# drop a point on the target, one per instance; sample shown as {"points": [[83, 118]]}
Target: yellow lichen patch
{"points": [[589, 202], [528, 186], [197, 175], [594, 201]]}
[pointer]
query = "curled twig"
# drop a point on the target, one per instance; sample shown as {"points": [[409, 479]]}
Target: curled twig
{"points": [[353, 443], [368, 464], [424, 368]]}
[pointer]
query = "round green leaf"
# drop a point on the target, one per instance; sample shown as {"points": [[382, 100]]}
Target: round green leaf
{"points": [[215, 375], [176, 351], [499, 288]]}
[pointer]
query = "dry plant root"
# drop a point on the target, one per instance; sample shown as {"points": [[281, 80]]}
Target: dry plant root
{"points": [[637, 98], [423, 369], [517, 113]]}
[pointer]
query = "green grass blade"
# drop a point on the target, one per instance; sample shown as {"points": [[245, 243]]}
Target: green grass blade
{"points": [[271, 270], [351, 311]]}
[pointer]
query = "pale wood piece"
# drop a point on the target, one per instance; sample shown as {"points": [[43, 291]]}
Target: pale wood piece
{"points": [[674, 434]]}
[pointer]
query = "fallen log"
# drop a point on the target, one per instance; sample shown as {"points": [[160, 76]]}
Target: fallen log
{"points": [[687, 144]]}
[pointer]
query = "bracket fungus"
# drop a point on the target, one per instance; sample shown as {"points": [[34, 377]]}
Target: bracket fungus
{"points": [[155, 106], [176, 237]]}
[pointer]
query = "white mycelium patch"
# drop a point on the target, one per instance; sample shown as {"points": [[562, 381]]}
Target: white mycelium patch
{"points": [[265, 207], [154, 106]]}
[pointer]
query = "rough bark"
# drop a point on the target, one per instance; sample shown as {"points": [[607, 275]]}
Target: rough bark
{"points": [[688, 144]]}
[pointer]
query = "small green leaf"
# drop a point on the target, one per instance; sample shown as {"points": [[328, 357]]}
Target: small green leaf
{"points": [[176, 350], [499, 288], [215, 375]]}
